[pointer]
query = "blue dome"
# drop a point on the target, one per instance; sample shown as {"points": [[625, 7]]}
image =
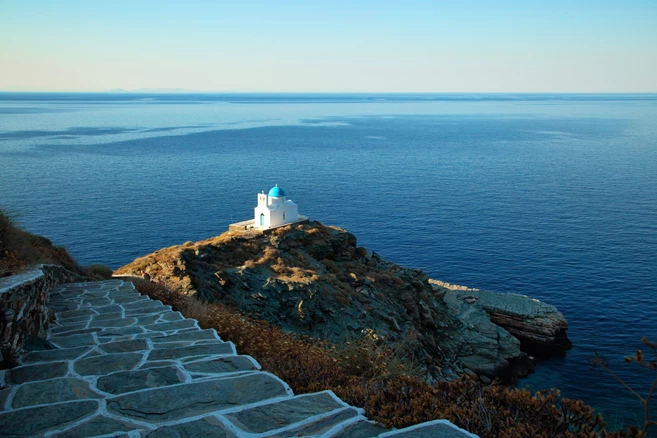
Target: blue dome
{"points": [[276, 192]]}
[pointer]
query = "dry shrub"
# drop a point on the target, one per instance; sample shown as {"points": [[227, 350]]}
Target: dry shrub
{"points": [[371, 358], [342, 297], [356, 268], [192, 307], [18, 249], [159, 291], [269, 256], [387, 279], [317, 232], [249, 264], [240, 250], [100, 272], [647, 363], [397, 282], [9, 263], [330, 266], [294, 274], [371, 376]]}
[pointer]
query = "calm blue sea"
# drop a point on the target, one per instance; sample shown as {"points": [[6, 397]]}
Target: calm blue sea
{"points": [[553, 196]]}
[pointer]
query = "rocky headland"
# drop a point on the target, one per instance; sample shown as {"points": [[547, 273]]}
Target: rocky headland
{"points": [[314, 280]]}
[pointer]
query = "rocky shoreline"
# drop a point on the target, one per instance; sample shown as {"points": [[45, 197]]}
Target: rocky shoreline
{"points": [[526, 324], [539, 326], [314, 280]]}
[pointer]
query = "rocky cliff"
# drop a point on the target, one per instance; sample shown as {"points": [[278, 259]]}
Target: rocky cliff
{"points": [[315, 280]]}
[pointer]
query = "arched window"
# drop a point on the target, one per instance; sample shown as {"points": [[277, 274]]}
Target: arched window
{"points": [[262, 219]]}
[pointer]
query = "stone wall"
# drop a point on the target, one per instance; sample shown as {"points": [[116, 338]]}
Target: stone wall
{"points": [[23, 306]]}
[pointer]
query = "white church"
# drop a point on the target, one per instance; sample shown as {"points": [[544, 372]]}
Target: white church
{"points": [[273, 210]]}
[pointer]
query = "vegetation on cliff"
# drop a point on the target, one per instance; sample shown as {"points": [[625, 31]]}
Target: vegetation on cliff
{"points": [[19, 249], [364, 373], [314, 280]]}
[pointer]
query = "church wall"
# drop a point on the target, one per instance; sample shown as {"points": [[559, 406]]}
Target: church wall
{"points": [[258, 211], [292, 213], [276, 217], [273, 209]]}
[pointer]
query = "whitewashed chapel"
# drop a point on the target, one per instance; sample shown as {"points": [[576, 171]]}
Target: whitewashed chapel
{"points": [[273, 210]]}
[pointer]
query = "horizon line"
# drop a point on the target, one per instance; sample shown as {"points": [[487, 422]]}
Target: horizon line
{"points": [[182, 91]]}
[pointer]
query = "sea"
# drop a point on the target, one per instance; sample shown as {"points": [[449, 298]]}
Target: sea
{"points": [[548, 195]]}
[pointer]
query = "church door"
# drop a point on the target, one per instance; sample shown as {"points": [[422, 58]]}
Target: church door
{"points": [[262, 219]]}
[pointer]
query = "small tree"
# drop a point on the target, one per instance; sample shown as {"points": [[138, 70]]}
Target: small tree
{"points": [[648, 363]]}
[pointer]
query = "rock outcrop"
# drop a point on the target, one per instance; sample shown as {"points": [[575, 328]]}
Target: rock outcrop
{"points": [[539, 326], [315, 280], [486, 348]]}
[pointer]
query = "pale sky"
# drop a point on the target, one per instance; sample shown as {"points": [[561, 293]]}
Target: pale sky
{"points": [[330, 46]]}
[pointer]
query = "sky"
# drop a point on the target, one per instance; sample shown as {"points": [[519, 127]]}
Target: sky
{"points": [[329, 46]]}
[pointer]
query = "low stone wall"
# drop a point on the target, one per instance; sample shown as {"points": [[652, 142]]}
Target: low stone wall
{"points": [[23, 306], [249, 225], [241, 226]]}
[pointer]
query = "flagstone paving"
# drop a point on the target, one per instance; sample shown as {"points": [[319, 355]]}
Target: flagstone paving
{"points": [[121, 364]]}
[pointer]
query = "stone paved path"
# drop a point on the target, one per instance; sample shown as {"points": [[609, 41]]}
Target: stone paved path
{"points": [[121, 364]]}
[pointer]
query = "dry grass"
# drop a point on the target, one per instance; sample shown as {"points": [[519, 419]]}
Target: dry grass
{"points": [[9, 263], [100, 272], [376, 378], [19, 248]]}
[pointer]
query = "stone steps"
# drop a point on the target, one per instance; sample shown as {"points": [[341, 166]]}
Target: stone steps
{"points": [[120, 364]]}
